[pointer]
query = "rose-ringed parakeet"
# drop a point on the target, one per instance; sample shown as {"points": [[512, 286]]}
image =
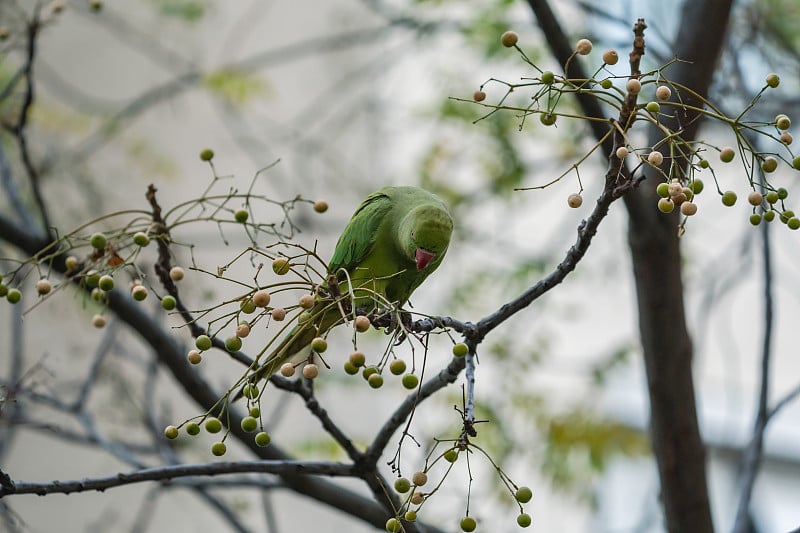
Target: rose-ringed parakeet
{"points": [[397, 237]]}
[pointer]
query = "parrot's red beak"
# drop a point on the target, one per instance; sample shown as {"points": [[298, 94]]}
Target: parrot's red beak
{"points": [[424, 258]]}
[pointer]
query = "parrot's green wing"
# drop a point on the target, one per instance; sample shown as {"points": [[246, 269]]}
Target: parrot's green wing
{"points": [[361, 232]]}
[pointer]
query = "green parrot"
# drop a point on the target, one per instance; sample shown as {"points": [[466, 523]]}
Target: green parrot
{"points": [[397, 237]]}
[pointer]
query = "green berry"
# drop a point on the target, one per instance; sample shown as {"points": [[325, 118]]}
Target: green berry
{"points": [[793, 223], [410, 516], [357, 359], [249, 424], [772, 197], [139, 293], [192, 428], [368, 371], [548, 119], [168, 302], [606, 84], [755, 219], [697, 185], [13, 296], [727, 154], [219, 449], [171, 432], [523, 494], [524, 520], [783, 193], [773, 80], [468, 524], [548, 77], [663, 190], [653, 107], [782, 122], [206, 154], [141, 239], [262, 439], [770, 164], [281, 266], [233, 344], [393, 525], [250, 391], [410, 381], [460, 349], [98, 241], [203, 343], [402, 485], [769, 216], [213, 425], [375, 381], [666, 205], [703, 163], [796, 162], [255, 412], [451, 455], [319, 345], [397, 367], [3, 290], [241, 215], [350, 368], [728, 198], [105, 282], [248, 306]]}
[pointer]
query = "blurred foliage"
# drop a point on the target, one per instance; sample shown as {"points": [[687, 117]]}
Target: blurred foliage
{"points": [[185, 10], [777, 21], [235, 86]]}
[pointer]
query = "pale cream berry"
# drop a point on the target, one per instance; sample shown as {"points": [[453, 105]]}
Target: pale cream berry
{"points": [[243, 330], [655, 158], [622, 152], [574, 200], [584, 47], [417, 498], [786, 138], [43, 286], [194, 357], [675, 187], [306, 301], [419, 478], [261, 298], [688, 208], [287, 370], [361, 323], [610, 57], [99, 321], [310, 371], [755, 198], [663, 92], [782, 122], [278, 314], [176, 273], [71, 262], [633, 86], [509, 38]]}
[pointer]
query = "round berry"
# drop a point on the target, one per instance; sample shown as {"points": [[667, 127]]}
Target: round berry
{"points": [[417, 498], [139, 292], [786, 138], [375, 381], [606, 84], [306, 301], [287, 370], [92, 279], [350, 368], [633, 86], [361, 323], [98, 241], [176, 273], [99, 321], [583, 47], [219, 449], [249, 424], [368, 371], [796, 162], [703, 163], [769, 216], [304, 317], [451, 455], [610, 57], [194, 357], [243, 330], [319, 345], [793, 223], [357, 359], [206, 154], [688, 209], [171, 432], [419, 478], [574, 200], [653, 107], [213, 425], [402, 485], [755, 219], [666, 205], [393, 525], [663, 92], [460, 349], [755, 198], [250, 390], [479, 96], [727, 154], [71, 263], [772, 197], [410, 381], [262, 439], [43, 286], [105, 282], [786, 215], [548, 77], [3, 290], [310, 371], [192, 428], [203, 342], [261, 298], [655, 158], [523, 494], [278, 314], [728, 198], [782, 193], [320, 206], [782, 122], [468, 524], [773, 80], [255, 412], [13, 296], [397, 367], [548, 119], [622, 152], [509, 39], [247, 306], [168, 302], [281, 266], [524, 520], [696, 185], [663, 190], [141, 239], [770, 164], [410, 516]]}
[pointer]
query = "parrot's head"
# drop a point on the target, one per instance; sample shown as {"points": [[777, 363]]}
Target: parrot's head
{"points": [[425, 234]]}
